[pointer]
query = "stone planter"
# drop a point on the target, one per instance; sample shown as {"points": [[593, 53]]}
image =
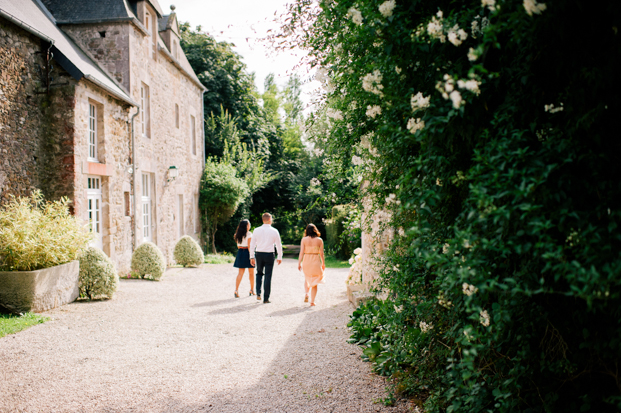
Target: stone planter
{"points": [[39, 290]]}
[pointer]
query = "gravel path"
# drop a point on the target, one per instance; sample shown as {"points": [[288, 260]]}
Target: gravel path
{"points": [[184, 344]]}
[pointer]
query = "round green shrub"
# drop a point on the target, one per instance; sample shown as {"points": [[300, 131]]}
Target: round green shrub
{"points": [[148, 261], [188, 252], [98, 277]]}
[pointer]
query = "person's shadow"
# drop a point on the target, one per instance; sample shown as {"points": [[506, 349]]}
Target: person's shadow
{"points": [[212, 303], [289, 311]]}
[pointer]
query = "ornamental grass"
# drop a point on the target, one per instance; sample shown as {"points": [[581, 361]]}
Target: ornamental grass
{"points": [[36, 234]]}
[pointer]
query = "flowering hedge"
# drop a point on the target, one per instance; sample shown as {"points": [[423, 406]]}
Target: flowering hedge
{"points": [[487, 130]]}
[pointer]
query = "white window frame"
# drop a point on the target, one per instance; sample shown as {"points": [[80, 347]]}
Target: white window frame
{"points": [[92, 132], [94, 200], [145, 113], [147, 213]]}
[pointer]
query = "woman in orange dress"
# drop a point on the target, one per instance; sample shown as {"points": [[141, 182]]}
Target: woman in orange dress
{"points": [[312, 261]]}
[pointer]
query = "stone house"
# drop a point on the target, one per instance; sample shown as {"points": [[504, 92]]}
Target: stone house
{"points": [[98, 103]]}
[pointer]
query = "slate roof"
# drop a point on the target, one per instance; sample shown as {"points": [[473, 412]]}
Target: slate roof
{"points": [[84, 11], [70, 11], [33, 17]]}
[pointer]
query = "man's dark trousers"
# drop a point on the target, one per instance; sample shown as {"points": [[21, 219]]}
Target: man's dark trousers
{"points": [[265, 266]]}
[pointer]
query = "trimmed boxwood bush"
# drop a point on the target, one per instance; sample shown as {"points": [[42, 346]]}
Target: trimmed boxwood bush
{"points": [[148, 261], [98, 277], [188, 252]]}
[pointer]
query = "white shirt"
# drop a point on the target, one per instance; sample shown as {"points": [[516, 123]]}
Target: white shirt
{"points": [[244, 242], [264, 239]]}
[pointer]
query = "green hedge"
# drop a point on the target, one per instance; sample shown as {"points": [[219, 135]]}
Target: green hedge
{"points": [[489, 130]]}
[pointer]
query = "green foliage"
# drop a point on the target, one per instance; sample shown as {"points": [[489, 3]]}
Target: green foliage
{"points": [[188, 252], [343, 231], [221, 193], [11, 324], [502, 183], [148, 262], [333, 262], [98, 277], [35, 234], [219, 259]]}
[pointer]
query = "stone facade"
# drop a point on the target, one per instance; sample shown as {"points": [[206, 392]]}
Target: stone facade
{"points": [[75, 140], [36, 118]]}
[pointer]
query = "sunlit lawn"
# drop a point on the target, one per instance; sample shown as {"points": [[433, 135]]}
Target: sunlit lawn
{"points": [[219, 259], [333, 262], [11, 324]]}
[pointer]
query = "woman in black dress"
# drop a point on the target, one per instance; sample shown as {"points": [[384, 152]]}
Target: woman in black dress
{"points": [[242, 261]]}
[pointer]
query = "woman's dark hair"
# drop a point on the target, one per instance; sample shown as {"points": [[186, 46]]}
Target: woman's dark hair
{"points": [[242, 230], [312, 231]]}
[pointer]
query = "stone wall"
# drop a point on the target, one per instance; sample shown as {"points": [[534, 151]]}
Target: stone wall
{"points": [[112, 166], [168, 145], [108, 43], [36, 124]]}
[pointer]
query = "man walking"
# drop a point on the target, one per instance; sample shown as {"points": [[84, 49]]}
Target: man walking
{"points": [[263, 240]]}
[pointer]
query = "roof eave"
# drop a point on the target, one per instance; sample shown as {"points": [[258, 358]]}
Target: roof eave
{"points": [[176, 63]]}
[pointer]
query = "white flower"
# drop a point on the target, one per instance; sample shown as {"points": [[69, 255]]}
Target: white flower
{"points": [[472, 55], [435, 28], [355, 15], [373, 111], [358, 258], [315, 182], [456, 99], [438, 182], [398, 309], [442, 301], [356, 160], [425, 327], [475, 28], [471, 85], [532, 7], [351, 261], [462, 34], [398, 70], [484, 318], [445, 249], [490, 4], [439, 14], [334, 114], [454, 38], [395, 268], [469, 289], [387, 7], [357, 251], [418, 102], [415, 125], [373, 82], [321, 74], [550, 108], [401, 232]]}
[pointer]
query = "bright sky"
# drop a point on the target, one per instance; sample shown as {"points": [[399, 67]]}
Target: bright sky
{"points": [[244, 22]]}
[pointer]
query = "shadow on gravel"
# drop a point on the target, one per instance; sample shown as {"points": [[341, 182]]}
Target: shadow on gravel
{"points": [[290, 311], [236, 309], [315, 371], [212, 303]]}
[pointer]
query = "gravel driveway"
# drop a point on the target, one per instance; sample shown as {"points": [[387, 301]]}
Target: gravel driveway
{"points": [[184, 344]]}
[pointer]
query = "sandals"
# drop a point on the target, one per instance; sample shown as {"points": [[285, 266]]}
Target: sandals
{"points": [[312, 305], [236, 294], [306, 298], [251, 293]]}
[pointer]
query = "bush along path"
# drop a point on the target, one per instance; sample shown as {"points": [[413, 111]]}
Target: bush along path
{"points": [[185, 344]]}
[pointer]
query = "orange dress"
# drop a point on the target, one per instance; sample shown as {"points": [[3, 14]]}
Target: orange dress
{"points": [[311, 265]]}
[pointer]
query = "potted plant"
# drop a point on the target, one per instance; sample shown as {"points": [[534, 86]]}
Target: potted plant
{"points": [[40, 243]]}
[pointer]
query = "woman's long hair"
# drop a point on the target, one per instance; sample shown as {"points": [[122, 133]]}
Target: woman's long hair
{"points": [[312, 231], [242, 230]]}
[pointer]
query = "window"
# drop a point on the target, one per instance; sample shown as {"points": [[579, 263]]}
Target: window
{"points": [[177, 115], [146, 207], [145, 116], [193, 126], [94, 204], [127, 203], [180, 216], [92, 132]]}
